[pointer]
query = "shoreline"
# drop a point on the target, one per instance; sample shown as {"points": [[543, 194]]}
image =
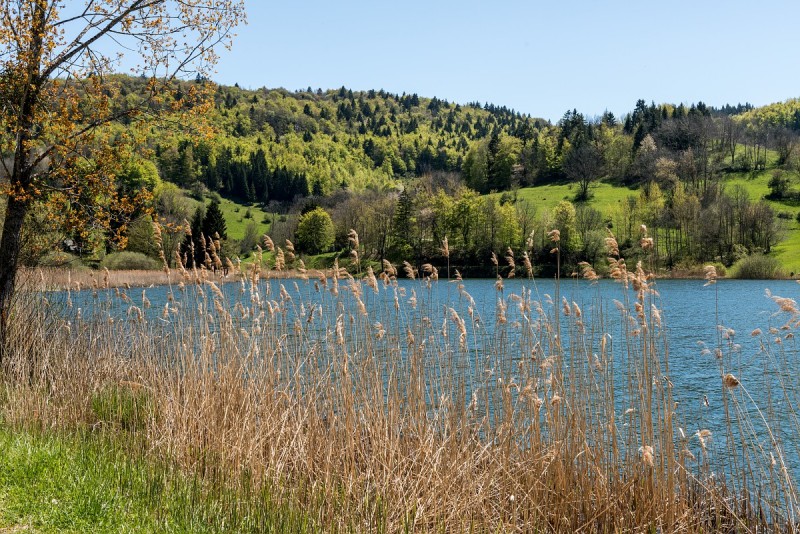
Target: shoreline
{"points": [[58, 279]]}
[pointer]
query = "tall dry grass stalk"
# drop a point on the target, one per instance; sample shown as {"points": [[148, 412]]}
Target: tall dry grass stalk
{"points": [[62, 279], [398, 414]]}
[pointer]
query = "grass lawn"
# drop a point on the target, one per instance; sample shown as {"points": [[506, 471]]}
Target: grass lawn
{"points": [[236, 221], [754, 183], [86, 483], [757, 186], [788, 250], [605, 197]]}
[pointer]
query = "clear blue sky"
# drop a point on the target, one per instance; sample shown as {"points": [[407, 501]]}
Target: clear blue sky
{"points": [[537, 57]]}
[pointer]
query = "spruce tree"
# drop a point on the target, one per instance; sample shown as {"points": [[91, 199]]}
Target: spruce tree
{"points": [[401, 227], [191, 254], [214, 222]]}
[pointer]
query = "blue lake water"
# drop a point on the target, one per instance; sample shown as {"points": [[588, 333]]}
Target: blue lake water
{"points": [[697, 320]]}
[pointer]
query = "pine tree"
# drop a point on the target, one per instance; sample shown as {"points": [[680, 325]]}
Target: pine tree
{"points": [[259, 174], [494, 178]]}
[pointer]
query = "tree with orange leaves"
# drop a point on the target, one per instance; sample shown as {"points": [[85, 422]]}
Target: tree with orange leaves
{"points": [[59, 99]]}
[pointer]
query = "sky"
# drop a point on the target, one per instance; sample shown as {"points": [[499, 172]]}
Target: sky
{"points": [[539, 58]]}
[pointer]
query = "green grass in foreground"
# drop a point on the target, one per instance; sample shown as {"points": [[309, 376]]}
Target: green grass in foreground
{"points": [[54, 483]]}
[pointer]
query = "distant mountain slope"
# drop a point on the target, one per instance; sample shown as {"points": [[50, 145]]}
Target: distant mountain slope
{"points": [[273, 144]]}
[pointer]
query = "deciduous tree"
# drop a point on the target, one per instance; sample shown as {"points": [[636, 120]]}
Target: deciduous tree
{"points": [[583, 165], [315, 231], [58, 92]]}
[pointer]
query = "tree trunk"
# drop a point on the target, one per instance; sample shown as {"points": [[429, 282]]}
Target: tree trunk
{"points": [[10, 245], [20, 179]]}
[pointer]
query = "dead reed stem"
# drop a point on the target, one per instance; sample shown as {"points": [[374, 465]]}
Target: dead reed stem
{"points": [[398, 413]]}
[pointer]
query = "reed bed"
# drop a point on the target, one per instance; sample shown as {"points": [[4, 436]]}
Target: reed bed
{"points": [[59, 279], [375, 407]]}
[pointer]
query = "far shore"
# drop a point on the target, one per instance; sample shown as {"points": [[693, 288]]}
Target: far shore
{"points": [[54, 279]]}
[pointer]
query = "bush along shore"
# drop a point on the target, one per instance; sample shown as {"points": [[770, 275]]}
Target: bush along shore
{"points": [[338, 404]]}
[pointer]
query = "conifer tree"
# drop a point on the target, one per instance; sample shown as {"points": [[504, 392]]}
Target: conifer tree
{"points": [[214, 222], [401, 226]]}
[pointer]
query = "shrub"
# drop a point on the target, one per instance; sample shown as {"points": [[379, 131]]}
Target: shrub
{"points": [[126, 261], [198, 191], [738, 253], [778, 185], [251, 238], [60, 259], [141, 237], [758, 267], [315, 232]]}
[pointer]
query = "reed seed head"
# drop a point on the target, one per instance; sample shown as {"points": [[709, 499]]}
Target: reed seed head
{"points": [[730, 381], [710, 275], [268, 244]]}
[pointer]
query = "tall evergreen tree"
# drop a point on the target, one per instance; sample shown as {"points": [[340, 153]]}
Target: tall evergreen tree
{"points": [[196, 230], [214, 222], [401, 227], [259, 174]]}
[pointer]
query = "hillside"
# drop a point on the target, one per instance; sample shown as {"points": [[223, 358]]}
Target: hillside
{"points": [[405, 171], [273, 145]]}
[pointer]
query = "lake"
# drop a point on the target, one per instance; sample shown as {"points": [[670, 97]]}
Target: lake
{"points": [[703, 327]]}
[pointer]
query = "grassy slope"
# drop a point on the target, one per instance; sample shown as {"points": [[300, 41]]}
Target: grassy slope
{"points": [[235, 220], [607, 198], [788, 249], [51, 483]]}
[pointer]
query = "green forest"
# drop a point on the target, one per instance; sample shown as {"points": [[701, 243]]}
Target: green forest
{"points": [[705, 184]]}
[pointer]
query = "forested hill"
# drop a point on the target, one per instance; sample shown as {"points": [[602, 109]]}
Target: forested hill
{"points": [[712, 184], [273, 144], [277, 145]]}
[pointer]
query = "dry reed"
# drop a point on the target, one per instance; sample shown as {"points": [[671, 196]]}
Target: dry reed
{"points": [[400, 415]]}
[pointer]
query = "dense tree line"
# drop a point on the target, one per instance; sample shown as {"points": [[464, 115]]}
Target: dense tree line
{"points": [[686, 226], [278, 145], [407, 171], [673, 157], [248, 179]]}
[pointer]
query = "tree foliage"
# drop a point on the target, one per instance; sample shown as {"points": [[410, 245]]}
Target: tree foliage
{"points": [[404, 170], [214, 222], [60, 100], [315, 232]]}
